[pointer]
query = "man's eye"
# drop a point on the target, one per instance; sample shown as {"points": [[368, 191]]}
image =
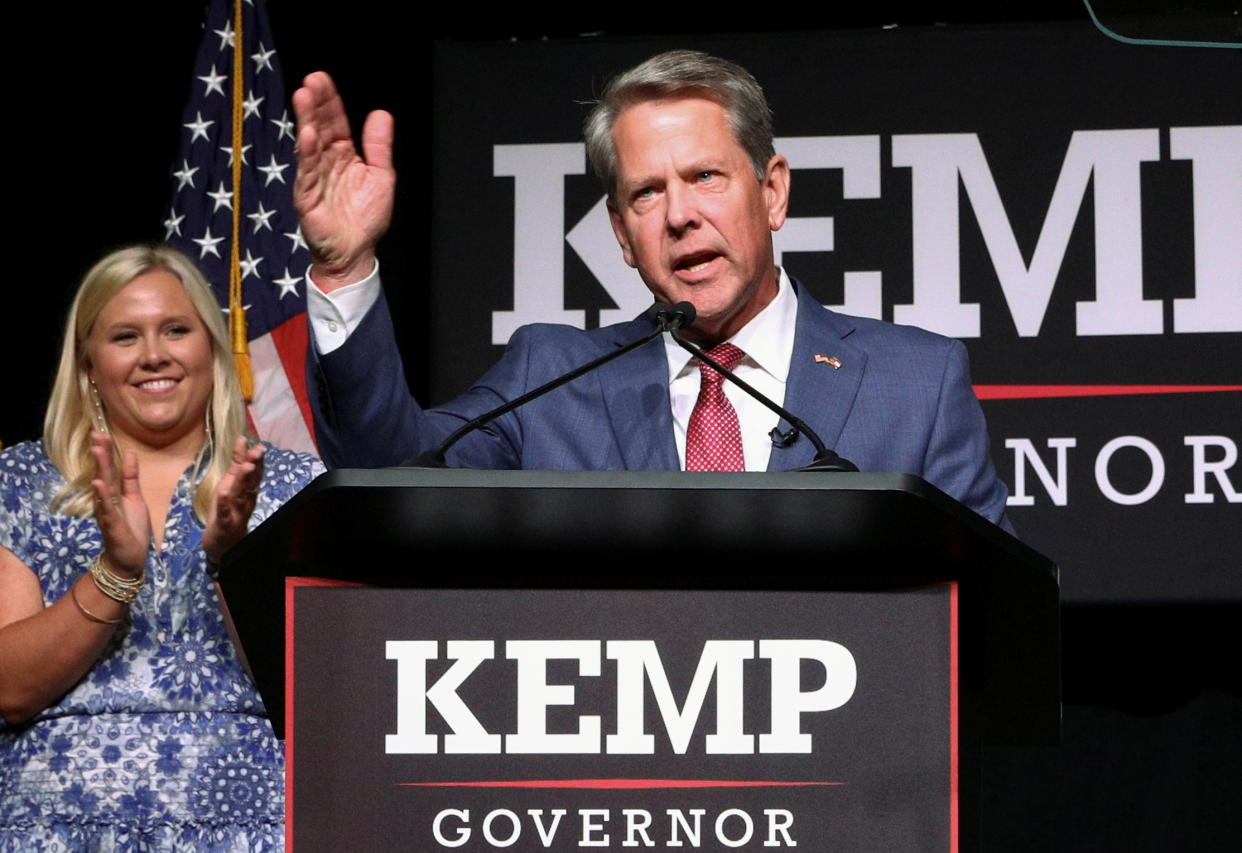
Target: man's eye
{"points": [[706, 175], [645, 192]]}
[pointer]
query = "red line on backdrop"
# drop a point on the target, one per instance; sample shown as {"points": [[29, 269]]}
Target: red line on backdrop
{"points": [[1030, 392], [619, 783]]}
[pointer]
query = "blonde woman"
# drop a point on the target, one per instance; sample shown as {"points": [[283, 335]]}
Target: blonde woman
{"points": [[128, 722]]}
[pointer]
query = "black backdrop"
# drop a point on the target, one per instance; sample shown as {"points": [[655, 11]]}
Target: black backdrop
{"points": [[1025, 98], [1152, 741]]}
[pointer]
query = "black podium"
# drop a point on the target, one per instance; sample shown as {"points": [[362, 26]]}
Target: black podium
{"points": [[766, 659]]}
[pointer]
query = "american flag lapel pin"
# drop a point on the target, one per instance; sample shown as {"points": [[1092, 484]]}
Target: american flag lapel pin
{"points": [[828, 359]]}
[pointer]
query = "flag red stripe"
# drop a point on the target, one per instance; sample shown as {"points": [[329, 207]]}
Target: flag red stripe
{"points": [[291, 341], [1029, 392]]}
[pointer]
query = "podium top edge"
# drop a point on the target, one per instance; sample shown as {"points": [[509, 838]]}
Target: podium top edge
{"points": [[524, 479], [809, 483]]}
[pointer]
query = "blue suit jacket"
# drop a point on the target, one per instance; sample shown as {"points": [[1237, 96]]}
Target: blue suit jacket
{"points": [[901, 401]]}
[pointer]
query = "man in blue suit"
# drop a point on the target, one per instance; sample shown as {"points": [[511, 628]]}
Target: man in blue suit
{"points": [[683, 146]]}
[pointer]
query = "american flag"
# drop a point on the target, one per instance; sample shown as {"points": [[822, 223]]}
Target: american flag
{"points": [[272, 254]]}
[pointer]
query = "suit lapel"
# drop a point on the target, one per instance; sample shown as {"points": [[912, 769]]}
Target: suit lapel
{"points": [[817, 391], [635, 392]]}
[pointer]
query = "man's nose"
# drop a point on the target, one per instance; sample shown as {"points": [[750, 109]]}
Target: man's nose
{"points": [[683, 211]]}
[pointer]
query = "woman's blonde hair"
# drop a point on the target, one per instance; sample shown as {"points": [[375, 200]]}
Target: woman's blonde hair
{"points": [[69, 421]]}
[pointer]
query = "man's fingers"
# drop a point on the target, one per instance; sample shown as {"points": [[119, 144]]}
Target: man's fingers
{"points": [[318, 104], [377, 139], [309, 154], [303, 106]]}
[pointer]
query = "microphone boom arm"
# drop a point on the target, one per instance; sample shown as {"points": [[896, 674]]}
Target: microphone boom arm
{"points": [[665, 318]]}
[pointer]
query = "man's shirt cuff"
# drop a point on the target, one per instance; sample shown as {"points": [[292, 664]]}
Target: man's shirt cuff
{"points": [[332, 316]]}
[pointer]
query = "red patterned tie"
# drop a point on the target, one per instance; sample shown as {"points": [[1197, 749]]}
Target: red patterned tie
{"points": [[713, 438]]}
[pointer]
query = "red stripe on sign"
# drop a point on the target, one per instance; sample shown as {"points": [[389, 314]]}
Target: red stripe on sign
{"points": [[290, 585], [1030, 392], [298, 581], [619, 783]]}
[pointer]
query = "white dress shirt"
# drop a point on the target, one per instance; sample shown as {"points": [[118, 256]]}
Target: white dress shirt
{"points": [[767, 341], [333, 316]]}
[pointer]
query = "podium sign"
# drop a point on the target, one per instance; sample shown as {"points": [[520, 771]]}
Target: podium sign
{"points": [[548, 660], [535, 719]]}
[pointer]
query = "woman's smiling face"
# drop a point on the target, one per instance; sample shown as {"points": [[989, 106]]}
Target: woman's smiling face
{"points": [[150, 357]]}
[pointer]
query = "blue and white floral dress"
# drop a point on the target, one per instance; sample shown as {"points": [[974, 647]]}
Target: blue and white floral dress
{"points": [[164, 745]]}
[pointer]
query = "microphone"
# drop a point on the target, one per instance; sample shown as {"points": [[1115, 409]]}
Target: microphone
{"points": [[670, 317], [683, 316], [663, 317], [825, 459]]}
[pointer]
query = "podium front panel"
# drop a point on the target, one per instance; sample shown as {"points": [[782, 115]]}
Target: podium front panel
{"points": [[536, 719]]}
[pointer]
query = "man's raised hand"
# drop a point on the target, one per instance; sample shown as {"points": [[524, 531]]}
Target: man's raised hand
{"points": [[344, 200]]}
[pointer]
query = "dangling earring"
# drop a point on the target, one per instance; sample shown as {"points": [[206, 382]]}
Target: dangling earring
{"points": [[206, 453], [209, 444], [97, 414]]}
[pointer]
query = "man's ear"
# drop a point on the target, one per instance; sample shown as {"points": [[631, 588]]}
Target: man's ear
{"points": [[776, 191], [618, 229]]}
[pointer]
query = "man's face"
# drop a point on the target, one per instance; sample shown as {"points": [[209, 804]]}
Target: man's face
{"points": [[691, 216]]}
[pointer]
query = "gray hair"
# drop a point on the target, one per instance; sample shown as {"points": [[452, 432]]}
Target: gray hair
{"points": [[681, 73]]}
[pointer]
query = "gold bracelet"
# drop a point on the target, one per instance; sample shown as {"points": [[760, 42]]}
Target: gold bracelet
{"points": [[124, 590], [73, 593]]}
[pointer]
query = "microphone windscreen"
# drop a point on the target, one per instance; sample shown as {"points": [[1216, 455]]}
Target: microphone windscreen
{"points": [[683, 315], [658, 314]]}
